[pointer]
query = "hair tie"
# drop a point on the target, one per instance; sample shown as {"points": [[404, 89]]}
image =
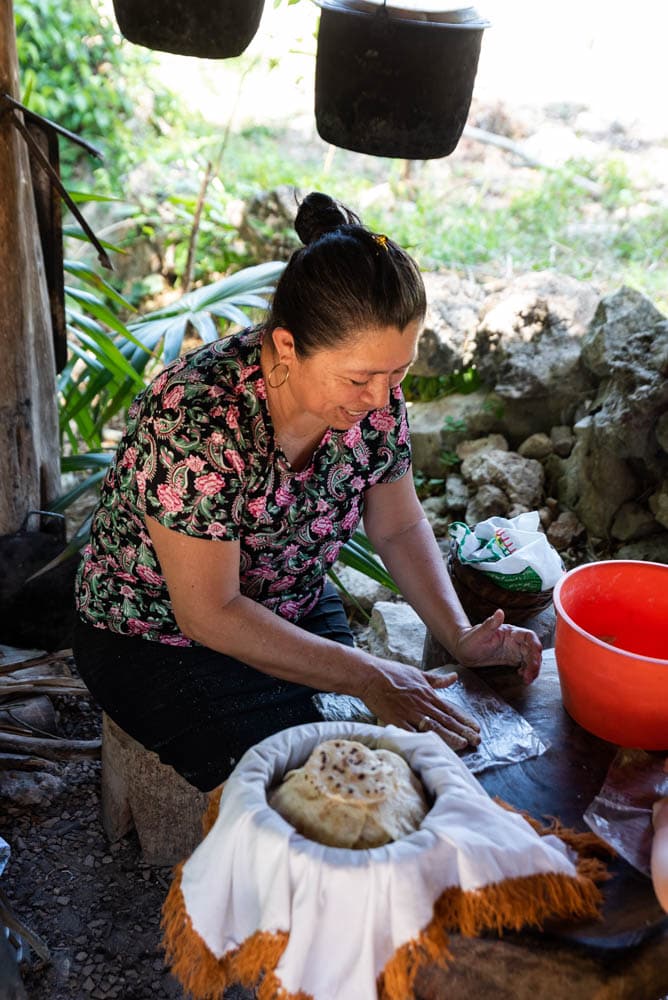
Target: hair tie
{"points": [[380, 239]]}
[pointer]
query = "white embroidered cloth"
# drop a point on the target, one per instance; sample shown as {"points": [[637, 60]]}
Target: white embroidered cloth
{"points": [[348, 911]]}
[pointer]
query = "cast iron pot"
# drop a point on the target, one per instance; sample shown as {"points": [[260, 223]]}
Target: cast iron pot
{"points": [[209, 29], [392, 81]]}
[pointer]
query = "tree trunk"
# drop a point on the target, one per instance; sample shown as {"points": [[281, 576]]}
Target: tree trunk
{"points": [[29, 443]]}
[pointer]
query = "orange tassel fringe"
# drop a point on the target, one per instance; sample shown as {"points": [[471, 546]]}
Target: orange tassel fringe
{"points": [[212, 809], [508, 905]]}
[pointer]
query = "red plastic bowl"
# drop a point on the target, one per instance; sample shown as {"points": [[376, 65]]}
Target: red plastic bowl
{"points": [[611, 648]]}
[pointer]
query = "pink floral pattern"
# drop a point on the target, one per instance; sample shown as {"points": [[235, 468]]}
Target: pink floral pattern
{"points": [[199, 456]]}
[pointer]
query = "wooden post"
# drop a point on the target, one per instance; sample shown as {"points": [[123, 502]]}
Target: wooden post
{"points": [[29, 440]]}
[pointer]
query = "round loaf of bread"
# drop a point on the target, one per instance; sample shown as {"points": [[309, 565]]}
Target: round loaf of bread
{"points": [[348, 795]]}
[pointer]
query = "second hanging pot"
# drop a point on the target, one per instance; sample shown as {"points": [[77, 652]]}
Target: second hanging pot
{"points": [[208, 29], [395, 80]]}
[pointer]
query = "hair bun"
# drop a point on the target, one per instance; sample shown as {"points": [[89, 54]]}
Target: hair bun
{"points": [[319, 214]]}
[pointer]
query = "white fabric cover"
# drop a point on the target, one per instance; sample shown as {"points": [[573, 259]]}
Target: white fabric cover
{"points": [[348, 911]]}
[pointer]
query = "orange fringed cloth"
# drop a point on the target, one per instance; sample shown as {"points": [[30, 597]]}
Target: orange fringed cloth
{"points": [[260, 905]]}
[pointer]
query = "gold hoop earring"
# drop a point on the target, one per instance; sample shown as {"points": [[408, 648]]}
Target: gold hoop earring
{"points": [[277, 385]]}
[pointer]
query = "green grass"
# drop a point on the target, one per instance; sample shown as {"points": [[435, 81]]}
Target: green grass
{"points": [[455, 213], [458, 215]]}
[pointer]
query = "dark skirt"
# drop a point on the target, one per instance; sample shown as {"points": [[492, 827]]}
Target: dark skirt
{"points": [[199, 710]]}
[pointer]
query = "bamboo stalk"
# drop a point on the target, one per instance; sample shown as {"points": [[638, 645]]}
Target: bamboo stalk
{"points": [[42, 685], [22, 762], [35, 661], [50, 749]]}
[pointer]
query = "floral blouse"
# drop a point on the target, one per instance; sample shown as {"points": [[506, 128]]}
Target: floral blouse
{"points": [[199, 456]]}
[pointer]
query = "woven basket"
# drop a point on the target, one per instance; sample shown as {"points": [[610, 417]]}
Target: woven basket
{"points": [[480, 596]]}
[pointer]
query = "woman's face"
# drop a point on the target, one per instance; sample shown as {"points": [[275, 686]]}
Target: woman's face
{"points": [[341, 386]]}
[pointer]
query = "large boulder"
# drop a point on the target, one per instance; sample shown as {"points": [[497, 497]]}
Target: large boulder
{"points": [[439, 426], [528, 351], [519, 479], [626, 350], [447, 341], [593, 481]]}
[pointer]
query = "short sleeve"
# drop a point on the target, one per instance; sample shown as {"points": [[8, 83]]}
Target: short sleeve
{"points": [[393, 447], [188, 459]]}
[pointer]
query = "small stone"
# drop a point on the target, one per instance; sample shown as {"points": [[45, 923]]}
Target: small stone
{"points": [[488, 501], [536, 446], [563, 440], [63, 900], [467, 448], [563, 532]]}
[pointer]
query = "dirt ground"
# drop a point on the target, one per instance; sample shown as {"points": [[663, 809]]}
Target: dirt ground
{"points": [[96, 905]]}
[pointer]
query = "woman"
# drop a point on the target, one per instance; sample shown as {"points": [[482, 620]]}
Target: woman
{"points": [[206, 620]]}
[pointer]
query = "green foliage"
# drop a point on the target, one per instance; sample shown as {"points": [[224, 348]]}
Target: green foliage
{"points": [[359, 554], [77, 71], [224, 299], [109, 360], [425, 388]]}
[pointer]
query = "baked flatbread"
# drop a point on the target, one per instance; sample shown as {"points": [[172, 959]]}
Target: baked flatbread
{"points": [[347, 795]]}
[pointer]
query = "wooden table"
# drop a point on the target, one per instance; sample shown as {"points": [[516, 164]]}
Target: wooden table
{"points": [[623, 957]]}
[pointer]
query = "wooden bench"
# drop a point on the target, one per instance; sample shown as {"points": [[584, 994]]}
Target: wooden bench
{"points": [[140, 792]]}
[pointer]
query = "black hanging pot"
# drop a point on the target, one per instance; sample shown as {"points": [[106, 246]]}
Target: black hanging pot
{"points": [[209, 29], [395, 79]]}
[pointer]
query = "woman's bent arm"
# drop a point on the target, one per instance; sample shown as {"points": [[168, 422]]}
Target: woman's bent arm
{"points": [[203, 581], [397, 527]]}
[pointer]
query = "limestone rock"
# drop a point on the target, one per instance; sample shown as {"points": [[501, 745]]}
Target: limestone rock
{"points": [[563, 439], [536, 446], [566, 530], [456, 494], [528, 350], [662, 431], [488, 501], [626, 347], [654, 548], [436, 511], [593, 481], [467, 448], [453, 311], [359, 589], [521, 479], [398, 632], [633, 521], [267, 224], [439, 426], [658, 504], [30, 789]]}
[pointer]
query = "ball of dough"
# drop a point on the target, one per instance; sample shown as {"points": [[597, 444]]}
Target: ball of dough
{"points": [[348, 795]]}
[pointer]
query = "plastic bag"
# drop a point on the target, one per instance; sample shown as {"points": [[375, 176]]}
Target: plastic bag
{"points": [[505, 736], [512, 552], [621, 813]]}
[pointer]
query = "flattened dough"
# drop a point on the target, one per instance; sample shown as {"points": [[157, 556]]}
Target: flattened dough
{"points": [[348, 795]]}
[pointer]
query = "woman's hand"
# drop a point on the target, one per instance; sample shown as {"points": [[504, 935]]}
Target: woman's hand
{"points": [[492, 642], [407, 697]]}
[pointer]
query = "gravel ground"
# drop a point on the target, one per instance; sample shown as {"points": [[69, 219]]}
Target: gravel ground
{"points": [[97, 906]]}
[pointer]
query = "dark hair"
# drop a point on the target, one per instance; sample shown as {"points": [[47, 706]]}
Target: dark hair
{"points": [[345, 278]]}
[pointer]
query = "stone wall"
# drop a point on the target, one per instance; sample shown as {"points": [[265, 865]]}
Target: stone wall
{"points": [[572, 418]]}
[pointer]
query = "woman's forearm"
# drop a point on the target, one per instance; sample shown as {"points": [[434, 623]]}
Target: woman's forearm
{"points": [[249, 632], [416, 564]]}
